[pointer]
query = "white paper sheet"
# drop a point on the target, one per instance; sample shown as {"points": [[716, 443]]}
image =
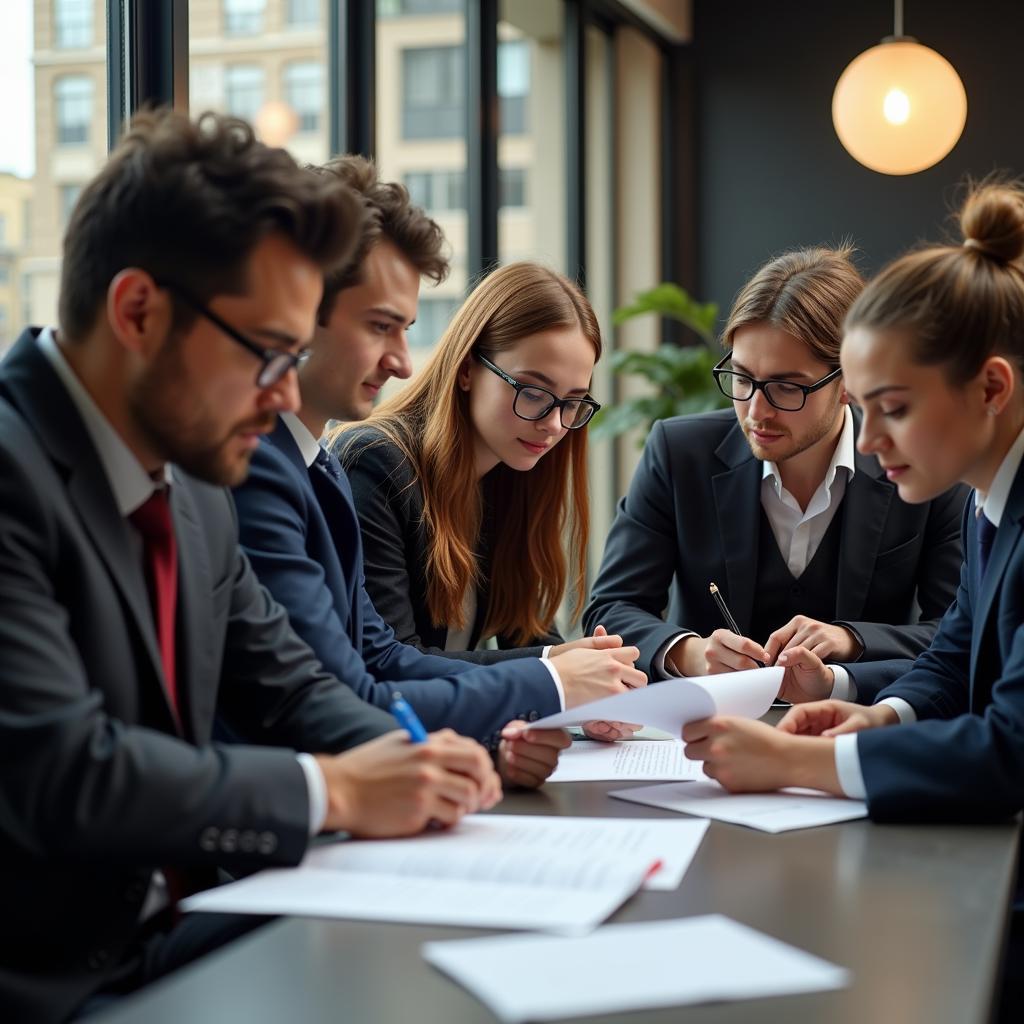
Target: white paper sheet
{"points": [[769, 812], [642, 760], [493, 871], [670, 704], [627, 967]]}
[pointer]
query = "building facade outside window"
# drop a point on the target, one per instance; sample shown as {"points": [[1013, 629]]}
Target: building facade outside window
{"points": [[433, 92], [304, 92], [68, 197], [244, 89], [513, 85], [432, 317], [72, 23], [511, 187], [243, 17], [302, 13], [74, 100]]}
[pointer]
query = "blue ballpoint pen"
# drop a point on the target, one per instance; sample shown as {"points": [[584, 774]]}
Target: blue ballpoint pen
{"points": [[407, 719]]}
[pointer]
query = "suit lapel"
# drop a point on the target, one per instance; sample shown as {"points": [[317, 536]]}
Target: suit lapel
{"points": [[33, 387], [737, 494], [867, 500]]}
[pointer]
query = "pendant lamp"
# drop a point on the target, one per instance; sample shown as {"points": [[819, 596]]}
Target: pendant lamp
{"points": [[899, 107]]}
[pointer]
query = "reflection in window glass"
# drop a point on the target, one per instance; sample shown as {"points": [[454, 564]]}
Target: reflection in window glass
{"points": [[304, 92], [433, 92], [72, 23], [272, 74], [74, 96], [243, 17]]}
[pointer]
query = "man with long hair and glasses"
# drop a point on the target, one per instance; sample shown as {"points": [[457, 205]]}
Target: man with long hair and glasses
{"points": [[810, 547]]}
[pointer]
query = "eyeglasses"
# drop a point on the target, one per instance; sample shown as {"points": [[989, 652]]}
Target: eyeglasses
{"points": [[783, 394], [275, 362], [534, 403]]}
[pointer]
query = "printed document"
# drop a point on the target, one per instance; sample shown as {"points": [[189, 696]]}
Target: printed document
{"points": [[629, 967], [769, 812], [642, 760], [491, 871], [670, 704]]}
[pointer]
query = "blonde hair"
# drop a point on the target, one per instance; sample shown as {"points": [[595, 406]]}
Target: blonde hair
{"points": [[961, 303], [429, 422], [806, 293]]}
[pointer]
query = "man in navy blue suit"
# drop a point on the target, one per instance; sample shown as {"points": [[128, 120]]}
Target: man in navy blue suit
{"points": [[298, 523]]}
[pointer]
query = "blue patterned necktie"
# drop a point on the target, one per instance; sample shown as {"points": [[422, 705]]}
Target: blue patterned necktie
{"points": [[328, 463]]}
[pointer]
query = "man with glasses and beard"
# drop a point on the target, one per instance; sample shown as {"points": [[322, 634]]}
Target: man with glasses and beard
{"points": [[815, 555]]}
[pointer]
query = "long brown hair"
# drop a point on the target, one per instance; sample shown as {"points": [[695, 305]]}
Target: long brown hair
{"points": [[429, 422]]}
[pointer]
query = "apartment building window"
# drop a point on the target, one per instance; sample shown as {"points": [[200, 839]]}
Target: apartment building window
{"points": [[74, 109], [437, 191], [243, 17], [68, 197], [72, 23], [304, 92], [432, 317], [302, 13], [511, 187], [5, 274], [244, 87], [433, 93], [3, 229], [513, 85]]}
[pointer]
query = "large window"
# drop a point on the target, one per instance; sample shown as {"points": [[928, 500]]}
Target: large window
{"points": [[302, 13], [433, 92], [72, 23], [74, 113], [243, 17], [68, 197], [244, 89], [433, 316], [513, 85], [304, 93], [437, 191]]}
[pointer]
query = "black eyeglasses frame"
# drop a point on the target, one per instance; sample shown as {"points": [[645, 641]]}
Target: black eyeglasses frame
{"points": [[556, 402], [718, 371]]}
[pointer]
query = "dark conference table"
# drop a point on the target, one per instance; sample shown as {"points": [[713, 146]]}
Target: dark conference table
{"points": [[915, 912]]}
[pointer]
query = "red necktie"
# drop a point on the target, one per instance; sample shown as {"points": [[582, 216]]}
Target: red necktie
{"points": [[153, 521]]}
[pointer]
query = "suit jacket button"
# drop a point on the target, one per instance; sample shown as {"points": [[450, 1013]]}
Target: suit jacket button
{"points": [[247, 841], [532, 716], [229, 840], [267, 843], [209, 838]]}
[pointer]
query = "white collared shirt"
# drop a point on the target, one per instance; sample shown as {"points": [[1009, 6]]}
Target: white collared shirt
{"points": [[993, 504], [308, 445], [132, 486]]}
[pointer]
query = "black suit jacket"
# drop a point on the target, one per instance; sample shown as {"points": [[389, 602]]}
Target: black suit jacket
{"points": [[96, 787], [389, 501], [692, 516]]}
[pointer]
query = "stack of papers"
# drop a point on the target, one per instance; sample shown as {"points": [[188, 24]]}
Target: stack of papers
{"points": [[642, 760], [491, 871], [769, 812], [671, 704], [627, 967]]}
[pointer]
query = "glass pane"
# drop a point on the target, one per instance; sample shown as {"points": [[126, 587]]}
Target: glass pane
{"points": [[266, 61], [531, 144], [421, 119], [54, 139]]}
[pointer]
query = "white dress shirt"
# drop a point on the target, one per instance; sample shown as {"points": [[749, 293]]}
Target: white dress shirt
{"points": [[993, 504], [798, 532]]}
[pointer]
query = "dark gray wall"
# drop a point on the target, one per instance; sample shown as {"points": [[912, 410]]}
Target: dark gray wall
{"points": [[771, 172]]}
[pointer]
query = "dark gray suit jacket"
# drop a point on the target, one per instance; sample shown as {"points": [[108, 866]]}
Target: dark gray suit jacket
{"points": [[389, 501], [96, 787], [692, 516]]}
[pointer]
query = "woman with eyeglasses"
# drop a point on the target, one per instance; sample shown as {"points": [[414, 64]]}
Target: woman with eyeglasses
{"points": [[804, 537], [471, 483]]}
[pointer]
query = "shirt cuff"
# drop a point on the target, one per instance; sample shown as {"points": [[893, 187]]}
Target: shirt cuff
{"points": [[851, 780], [557, 680], [843, 686], [317, 789], [658, 666], [546, 653], [906, 713]]}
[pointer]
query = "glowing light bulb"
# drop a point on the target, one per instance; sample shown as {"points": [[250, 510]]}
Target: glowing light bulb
{"points": [[896, 106]]}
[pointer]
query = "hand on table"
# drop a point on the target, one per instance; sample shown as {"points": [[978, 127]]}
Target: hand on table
{"points": [[526, 757], [834, 718]]}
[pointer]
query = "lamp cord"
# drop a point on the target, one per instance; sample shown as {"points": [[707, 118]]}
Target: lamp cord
{"points": [[897, 18]]}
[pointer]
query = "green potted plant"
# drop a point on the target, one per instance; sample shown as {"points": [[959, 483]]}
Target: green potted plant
{"points": [[681, 374]]}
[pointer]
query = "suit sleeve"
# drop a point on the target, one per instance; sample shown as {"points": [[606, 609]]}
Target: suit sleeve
{"points": [[937, 574], [80, 786], [474, 701], [631, 591]]}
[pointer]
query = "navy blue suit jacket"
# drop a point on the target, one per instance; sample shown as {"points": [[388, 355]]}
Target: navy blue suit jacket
{"points": [[964, 758], [305, 545]]}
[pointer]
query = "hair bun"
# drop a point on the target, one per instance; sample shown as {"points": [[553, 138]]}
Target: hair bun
{"points": [[992, 221]]}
